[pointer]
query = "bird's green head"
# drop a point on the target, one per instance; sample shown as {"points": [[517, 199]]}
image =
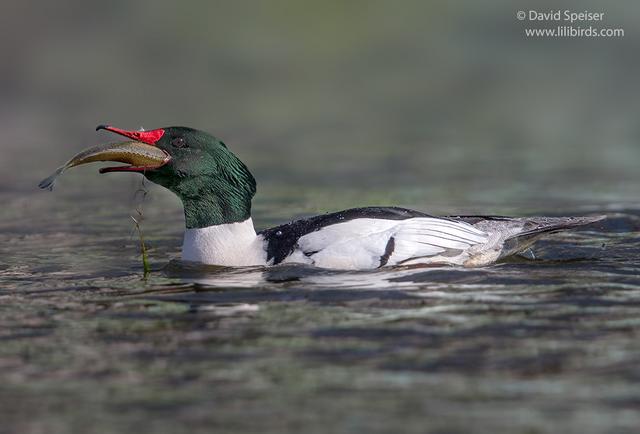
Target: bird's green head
{"points": [[214, 185]]}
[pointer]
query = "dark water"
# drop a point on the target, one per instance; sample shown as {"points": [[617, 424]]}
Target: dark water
{"points": [[87, 345]]}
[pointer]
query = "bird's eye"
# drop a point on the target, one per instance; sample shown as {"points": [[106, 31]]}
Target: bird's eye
{"points": [[178, 142]]}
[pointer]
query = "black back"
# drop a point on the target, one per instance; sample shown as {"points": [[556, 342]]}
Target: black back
{"points": [[282, 240], [473, 219]]}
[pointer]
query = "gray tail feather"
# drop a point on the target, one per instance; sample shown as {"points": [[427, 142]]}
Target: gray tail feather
{"points": [[539, 225], [534, 227]]}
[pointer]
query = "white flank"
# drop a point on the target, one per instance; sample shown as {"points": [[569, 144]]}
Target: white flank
{"points": [[232, 244], [353, 245], [361, 243]]}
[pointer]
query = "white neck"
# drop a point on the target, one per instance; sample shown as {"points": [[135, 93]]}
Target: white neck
{"points": [[231, 244]]}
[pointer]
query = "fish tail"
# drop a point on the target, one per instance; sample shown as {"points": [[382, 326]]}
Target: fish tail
{"points": [[50, 180]]}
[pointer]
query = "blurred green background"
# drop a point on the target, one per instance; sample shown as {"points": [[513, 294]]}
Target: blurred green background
{"points": [[445, 102]]}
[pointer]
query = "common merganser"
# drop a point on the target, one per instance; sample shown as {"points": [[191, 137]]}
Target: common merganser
{"points": [[216, 190]]}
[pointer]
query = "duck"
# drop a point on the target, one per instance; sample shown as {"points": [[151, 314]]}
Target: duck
{"points": [[216, 190]]}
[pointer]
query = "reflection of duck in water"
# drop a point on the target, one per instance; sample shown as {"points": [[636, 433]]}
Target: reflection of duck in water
{"points": [[216, 189]]}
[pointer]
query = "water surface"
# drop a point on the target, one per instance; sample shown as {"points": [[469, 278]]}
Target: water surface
{"points": [[540, 343]]}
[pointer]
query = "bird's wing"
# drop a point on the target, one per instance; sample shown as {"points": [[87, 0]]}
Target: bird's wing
{"points": [[370, 243], [431, 237]]}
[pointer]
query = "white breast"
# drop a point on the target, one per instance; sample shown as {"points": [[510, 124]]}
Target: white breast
{"points": [[233, 244]]}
